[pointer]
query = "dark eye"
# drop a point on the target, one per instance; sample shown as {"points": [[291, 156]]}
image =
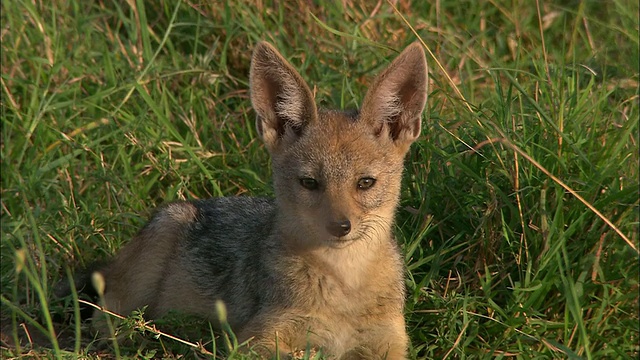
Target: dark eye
{"points": [[309, 183], [366, 183]]}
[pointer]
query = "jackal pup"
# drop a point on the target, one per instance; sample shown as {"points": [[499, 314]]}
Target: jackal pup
{"points": [[318, 265]]}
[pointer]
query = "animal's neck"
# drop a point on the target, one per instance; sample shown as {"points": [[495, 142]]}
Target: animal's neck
{"points": [[351, 265]]}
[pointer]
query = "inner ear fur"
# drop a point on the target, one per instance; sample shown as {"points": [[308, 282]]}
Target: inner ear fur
{"points": [[394, 103], [281, 98]]}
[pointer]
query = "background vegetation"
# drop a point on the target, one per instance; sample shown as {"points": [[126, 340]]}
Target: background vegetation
{"points": [[519, 216]]}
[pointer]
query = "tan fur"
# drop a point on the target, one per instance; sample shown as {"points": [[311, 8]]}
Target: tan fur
{"points": [[319, 264], [142, 268]]}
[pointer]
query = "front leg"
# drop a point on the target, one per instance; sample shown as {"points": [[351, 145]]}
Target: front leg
{"points": [[387, 340], [282, 334]]}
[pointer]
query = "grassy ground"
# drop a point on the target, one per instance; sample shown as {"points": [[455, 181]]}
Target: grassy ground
{"points": [[519, 215]]}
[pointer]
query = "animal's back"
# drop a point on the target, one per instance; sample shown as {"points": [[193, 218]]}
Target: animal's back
{"points": [[191, 254], [227, 250]]}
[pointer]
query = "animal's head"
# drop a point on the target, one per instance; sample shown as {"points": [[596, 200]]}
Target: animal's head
{"points": [[337, 174]]}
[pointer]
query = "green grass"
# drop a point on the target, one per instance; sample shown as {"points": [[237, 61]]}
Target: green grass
{"points": [[111, 108]]}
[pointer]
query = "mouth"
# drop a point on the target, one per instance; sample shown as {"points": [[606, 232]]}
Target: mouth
{"points": [[340, 244], [344, 241]]}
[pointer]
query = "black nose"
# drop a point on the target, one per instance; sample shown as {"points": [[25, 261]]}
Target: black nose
{"points": [[339, 228]]}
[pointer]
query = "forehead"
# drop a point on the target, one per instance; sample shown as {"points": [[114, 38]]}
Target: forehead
{"points": [[339, 143], [339, 132]]}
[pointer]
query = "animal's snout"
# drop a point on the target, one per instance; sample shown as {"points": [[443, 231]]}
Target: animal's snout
{"points": [[339, 228]]}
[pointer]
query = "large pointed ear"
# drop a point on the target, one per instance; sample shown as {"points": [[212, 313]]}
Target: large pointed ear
{"points": [[394, 103], [280, 97]]}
